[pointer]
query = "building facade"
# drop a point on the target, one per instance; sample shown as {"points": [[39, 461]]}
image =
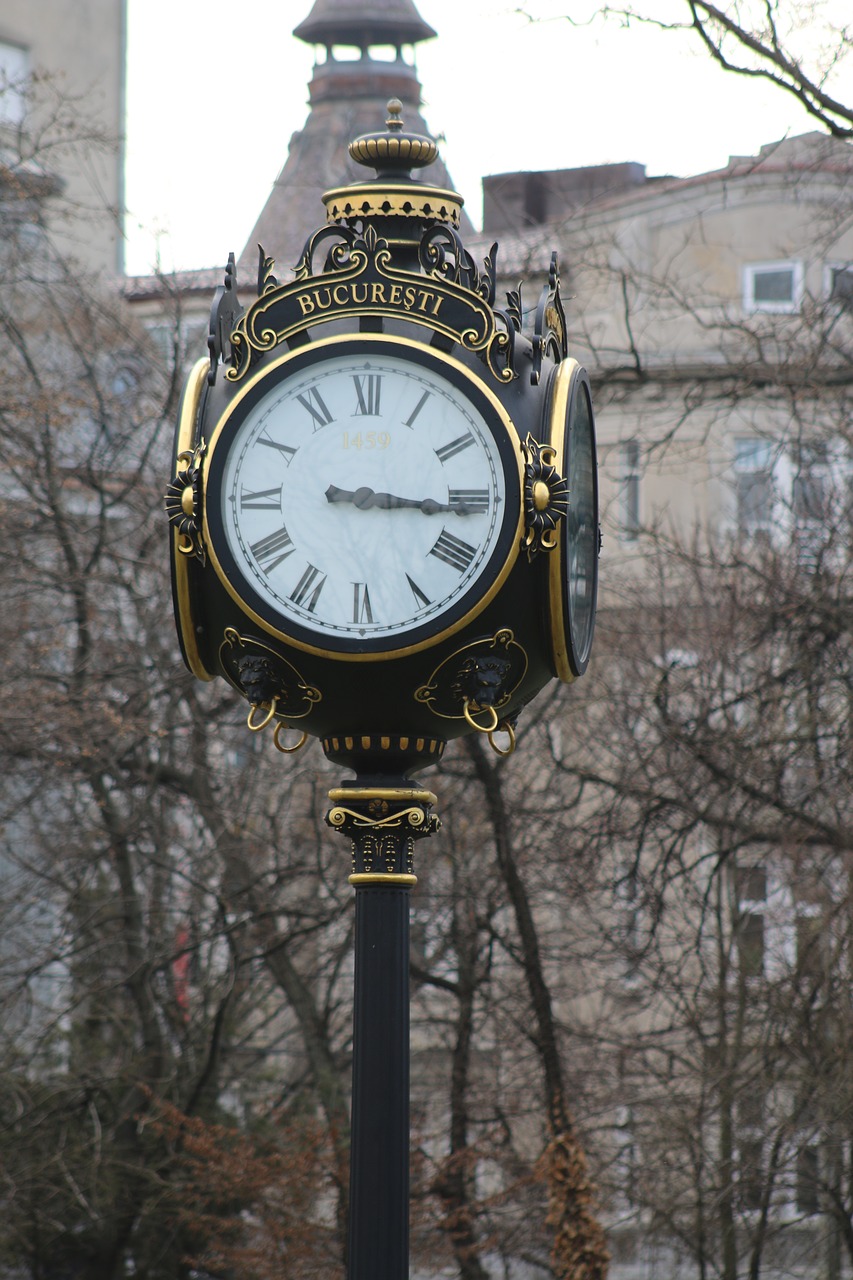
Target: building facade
{"points": [[62, 102]]}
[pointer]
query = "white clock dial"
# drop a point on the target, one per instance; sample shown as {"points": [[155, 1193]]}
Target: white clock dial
{"points": [[364, 494]]}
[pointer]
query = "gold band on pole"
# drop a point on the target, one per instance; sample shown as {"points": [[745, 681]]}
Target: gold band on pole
{"points": [[383, 877]]}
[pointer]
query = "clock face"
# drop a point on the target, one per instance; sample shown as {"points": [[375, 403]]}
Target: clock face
{"points": [[573, 570], [364, 495]]}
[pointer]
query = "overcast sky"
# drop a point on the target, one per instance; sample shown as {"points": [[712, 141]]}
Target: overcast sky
{"points": [[215, 91]]}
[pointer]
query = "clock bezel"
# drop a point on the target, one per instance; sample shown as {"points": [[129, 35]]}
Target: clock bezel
{"points": [[183, 566], [438, 626], [570, 651]]}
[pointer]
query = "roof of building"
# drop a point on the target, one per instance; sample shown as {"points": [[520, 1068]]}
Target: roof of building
{"points": [[363, 23]]}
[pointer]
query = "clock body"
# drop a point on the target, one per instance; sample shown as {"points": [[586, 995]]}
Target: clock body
{"points": [[361, 515], [363, 497], [573, 566], [360, 538]]}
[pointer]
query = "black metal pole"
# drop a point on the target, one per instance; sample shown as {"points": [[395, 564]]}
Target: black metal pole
{"points": [[379, 1155], [383, 821]]}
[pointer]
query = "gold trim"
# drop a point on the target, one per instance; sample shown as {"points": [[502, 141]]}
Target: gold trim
{"points": [[383, 877], [430, 692], [413, 815], [563, 385], [504, 727], [395, 345], [411, 149], [466, 711], [393, 199], [297, 746], [339, 794], [185, 435]]}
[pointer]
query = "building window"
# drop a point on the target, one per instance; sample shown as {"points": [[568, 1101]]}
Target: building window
{"points": [[750, 1145], [811, 482], [629, 490], [753, 465], [808, 1179], [751, 890], [14, 73], [811, 946], [839, 284], [772, 286], [750, 944], [751, 884]]}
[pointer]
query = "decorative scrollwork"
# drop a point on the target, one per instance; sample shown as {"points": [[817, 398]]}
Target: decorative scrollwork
{"points": [[414, 817], [266, 279], [225, 313], [514, 307], [337, 255], [549, 329], [272, 685], [441, 253], [183, 502], [546, 498], [480, 677], [383, 825]]}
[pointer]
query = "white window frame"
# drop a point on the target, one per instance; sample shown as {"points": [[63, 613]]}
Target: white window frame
{"points": [[763, 472], [781, 307], [14, 82]]}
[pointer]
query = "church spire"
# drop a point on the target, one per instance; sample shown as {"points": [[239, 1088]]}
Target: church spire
{"points": [[363, 23], [348, 97]]}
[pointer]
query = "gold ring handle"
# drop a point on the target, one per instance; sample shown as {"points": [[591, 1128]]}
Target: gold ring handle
{"points": [[488, 728], [257, 725], [506, 728], [288, 751]]}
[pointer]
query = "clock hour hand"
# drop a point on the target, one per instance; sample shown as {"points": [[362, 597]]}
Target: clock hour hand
{"points": [[364, 498]]}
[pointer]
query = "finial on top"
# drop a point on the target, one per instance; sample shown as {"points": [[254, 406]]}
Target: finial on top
{"points": [[395, 151]]}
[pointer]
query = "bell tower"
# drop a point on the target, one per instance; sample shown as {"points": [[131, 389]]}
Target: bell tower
{"points": [[364, 57]]}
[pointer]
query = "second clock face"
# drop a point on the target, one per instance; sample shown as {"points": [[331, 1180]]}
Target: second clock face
{"points": [[365, 495]]}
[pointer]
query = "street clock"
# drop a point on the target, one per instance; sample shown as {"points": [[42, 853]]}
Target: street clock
{"points": [[384, 505]]}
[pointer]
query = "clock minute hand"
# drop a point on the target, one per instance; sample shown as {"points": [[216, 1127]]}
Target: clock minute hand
{"points": [[364, 498]]}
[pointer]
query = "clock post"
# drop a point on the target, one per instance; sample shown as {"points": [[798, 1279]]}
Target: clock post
{"points": [[385, 535]]}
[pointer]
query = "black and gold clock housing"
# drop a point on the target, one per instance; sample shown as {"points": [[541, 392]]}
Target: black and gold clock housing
{"points": [[384, 507]]}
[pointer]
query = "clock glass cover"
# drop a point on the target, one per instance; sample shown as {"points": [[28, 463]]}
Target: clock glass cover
{"points": [[364, 495], [582, 524], [573, 571]]}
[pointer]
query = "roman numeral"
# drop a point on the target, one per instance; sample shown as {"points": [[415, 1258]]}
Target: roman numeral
{"points": [[367, 388], [453, 551], [302, 594], [316, 406], [286, 451], [411, 418], [271, 550], [455, 446], [474, 501], [361, 610], [422, 600], [263, 500]]}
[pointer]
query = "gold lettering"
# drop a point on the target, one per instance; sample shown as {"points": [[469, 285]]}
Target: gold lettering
{"points": [[324, 306], [340, 288], [423, 299], [304, 300], [377, 293], [396, 295], [355, 288], [438, 302], [409, 298]]}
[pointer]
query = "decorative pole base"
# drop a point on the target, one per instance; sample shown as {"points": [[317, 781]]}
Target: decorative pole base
{"points": [[383, 817]]}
